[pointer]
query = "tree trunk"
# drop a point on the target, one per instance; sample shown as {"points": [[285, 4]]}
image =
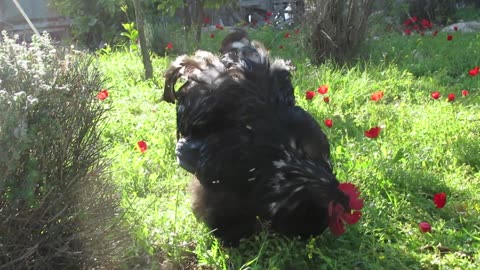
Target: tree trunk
{"points": [[187, 17], [338, 27], [199, 20], [147, 63]]}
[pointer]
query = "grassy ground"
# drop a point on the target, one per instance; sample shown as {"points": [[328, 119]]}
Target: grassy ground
{"points": [[425, 146]]}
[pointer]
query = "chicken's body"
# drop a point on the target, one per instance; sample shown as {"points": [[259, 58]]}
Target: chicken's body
{"points": [[259, 158]]}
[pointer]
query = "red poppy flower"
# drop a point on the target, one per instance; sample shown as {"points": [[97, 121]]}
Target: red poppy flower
{"points": [[309, 95], [465, 93], [435, 33], [414, 19], [407, 32], [142, 146], [407, 22], [377, 96], [169, 46], [280, 47], [329, 123], [268, 14], [474, 71], [102, 94], [426, 23], [323, 89], [326, 99], [435, 95], [449, 37], [415, 27], [287, 35], [206, 20], [297, 31], [440, 199], [425, 227], [212, 35], [373, 132], [219, 26], [451, 97], [455, 28]]}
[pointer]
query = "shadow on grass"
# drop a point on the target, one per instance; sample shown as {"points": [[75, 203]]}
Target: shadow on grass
{"points": [[355, 250]]}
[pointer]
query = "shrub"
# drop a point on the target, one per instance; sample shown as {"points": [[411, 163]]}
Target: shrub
{"points": [[439, 11], [57, 208], [94, 22], [338, 28]]}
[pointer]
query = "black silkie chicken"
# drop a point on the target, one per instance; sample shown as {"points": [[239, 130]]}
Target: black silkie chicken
{"points": [[257, 158]]}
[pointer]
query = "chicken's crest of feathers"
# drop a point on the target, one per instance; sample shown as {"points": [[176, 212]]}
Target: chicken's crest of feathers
{"points": [[203, 67]]}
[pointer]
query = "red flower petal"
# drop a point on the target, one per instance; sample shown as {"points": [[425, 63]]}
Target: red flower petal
{"points": [[474, 71], [102, 94], [465, 93], [326, 99], [435, 95], [455, 28], [287, 35], [373, 132], [425, 227], [309, 95], [449, 37], [169, 46], [323, 89], [268, 14], [212, 35], [451, 97], [440, 199], [426, 23], [142, 146], [377, 96], [407, 32], [329, 123]]}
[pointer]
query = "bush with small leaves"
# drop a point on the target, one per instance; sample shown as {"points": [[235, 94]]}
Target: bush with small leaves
{"points": [[58, 208]]}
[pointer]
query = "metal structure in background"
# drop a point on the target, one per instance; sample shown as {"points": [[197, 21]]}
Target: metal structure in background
{"points": [[41, 17], [283, 12]]}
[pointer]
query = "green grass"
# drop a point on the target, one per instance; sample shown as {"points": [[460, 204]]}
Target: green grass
{"points": [[425, 146]]}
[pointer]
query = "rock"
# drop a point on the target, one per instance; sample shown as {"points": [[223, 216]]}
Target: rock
{"points": [[463, 27]]}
